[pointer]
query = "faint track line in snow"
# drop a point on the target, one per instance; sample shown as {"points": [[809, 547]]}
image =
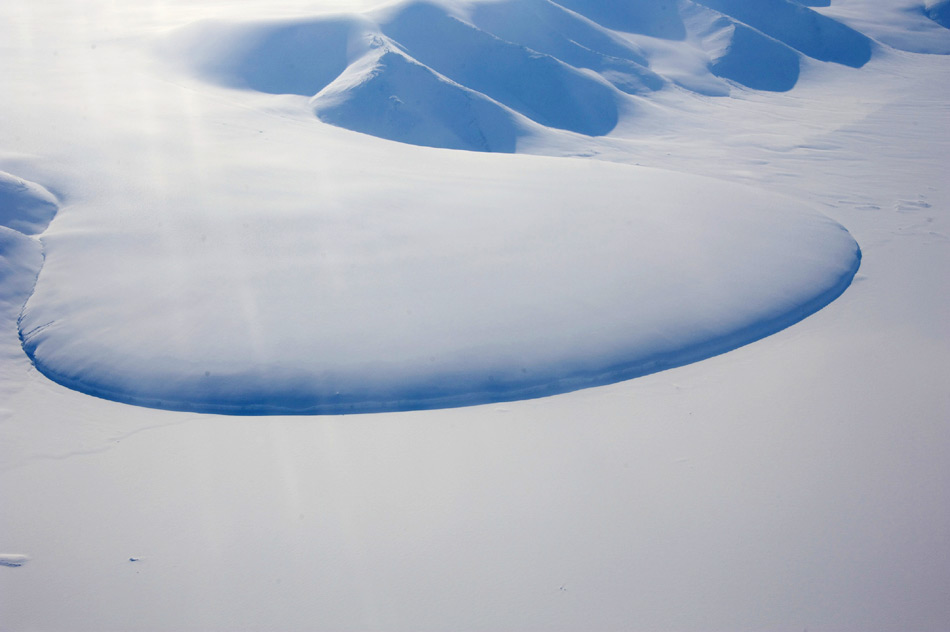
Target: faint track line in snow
{"points": [[108, 444]]}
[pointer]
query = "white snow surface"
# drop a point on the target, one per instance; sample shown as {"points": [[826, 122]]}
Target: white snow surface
{"points": [[482, 280], [346, 206]]}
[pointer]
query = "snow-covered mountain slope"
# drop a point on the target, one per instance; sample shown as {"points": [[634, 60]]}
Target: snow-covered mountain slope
{"points": [[566, 66]]}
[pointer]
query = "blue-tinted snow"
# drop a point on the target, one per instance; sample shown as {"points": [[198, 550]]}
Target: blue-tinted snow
{"points": [[938, 11], [474, 75], [803, 29], [25, 207]]}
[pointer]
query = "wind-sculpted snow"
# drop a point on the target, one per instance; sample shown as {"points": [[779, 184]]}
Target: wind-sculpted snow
{"points": [[497, 279], [481, 75], [25, 207]]}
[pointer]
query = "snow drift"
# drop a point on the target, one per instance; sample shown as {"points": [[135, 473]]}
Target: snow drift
{"points": [[497, 280]]}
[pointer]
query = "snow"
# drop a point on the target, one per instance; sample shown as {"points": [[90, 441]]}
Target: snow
{"points": [[552, 29], [203, 234], [938, 11], [749, 57], [457, 75], [476, 305], [392, 96], [13, 560], [656, 19], [807, 31]]}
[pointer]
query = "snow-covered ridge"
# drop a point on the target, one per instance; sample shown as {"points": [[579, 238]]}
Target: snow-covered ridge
{"points": [[477, 75]]}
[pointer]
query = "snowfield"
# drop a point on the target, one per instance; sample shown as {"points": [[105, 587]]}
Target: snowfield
{"points": [[427, 245]]}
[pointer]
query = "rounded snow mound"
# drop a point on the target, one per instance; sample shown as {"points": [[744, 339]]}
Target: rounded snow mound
{"points": [[491, 280]]}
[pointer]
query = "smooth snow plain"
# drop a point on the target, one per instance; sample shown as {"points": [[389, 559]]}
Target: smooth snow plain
{"points": [[333, 207]]}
